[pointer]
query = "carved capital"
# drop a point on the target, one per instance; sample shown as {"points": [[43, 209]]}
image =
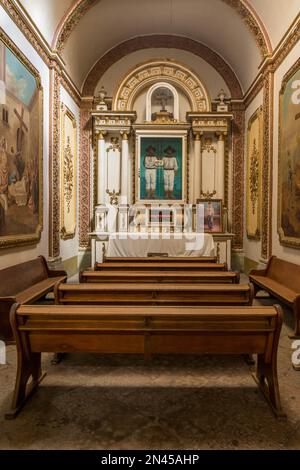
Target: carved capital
{"points": [[124, 135], [101, 135]]}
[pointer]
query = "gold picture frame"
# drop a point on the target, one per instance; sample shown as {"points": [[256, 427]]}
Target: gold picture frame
{"points": [[23, 193], [288, 160], [254, 174], [68, 173]]}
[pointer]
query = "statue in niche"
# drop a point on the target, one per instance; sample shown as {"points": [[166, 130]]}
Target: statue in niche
{"points": [[163, 97]]}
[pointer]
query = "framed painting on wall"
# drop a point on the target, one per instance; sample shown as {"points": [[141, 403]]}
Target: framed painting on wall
{"points": [[289, 159], [253, 177], [68, 166], [161, 169], [213, 215], [20, 148]]}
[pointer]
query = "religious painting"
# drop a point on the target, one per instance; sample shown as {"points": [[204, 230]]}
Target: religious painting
{"points": [[68, 173], [213, 215], [161, 169], [20, 148], [253, 177], [289, 159]]}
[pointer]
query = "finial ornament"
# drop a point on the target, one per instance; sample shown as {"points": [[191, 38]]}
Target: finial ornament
{"points": [[222, 106]]}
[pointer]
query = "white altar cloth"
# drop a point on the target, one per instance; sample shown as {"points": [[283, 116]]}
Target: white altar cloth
{"points": [[135, 245]]}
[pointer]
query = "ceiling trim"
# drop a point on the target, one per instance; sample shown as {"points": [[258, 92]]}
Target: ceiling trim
{"points": [[162, 41], [248, 15]]}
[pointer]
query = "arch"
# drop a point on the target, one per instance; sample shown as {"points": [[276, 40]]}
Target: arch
{"points": [[173, 73], [150, 94], [248, 15], [162, 41]]}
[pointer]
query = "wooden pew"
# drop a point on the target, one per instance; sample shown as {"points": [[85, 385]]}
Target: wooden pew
{"points": [[24, 283], [282, 280], [145, 330], [153, 294], [158, 266], [174, 277], [161, 259]]}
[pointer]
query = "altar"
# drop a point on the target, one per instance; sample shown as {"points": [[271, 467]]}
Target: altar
{"points": [[136, 245], [161, 168]]}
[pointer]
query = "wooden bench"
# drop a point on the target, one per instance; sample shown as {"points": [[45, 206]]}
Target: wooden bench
{"points": [[158, 266], [145, 330], [162, 259], [282, 280], [174, 277], [153, 294], [24, 283]]}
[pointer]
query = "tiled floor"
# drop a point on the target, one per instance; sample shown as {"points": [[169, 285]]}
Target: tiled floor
{"points": [[119, 402]]}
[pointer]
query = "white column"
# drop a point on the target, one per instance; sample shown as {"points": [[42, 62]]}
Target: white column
{"points": [[220, 167], [101, 183], [124, 168], [197, 167]]}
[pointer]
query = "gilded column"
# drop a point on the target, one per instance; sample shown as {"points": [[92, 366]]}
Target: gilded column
{"points": [[220, 167], [124, 168], [101, 177], [197, 166]]}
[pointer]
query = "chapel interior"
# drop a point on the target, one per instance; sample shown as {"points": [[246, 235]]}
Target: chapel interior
{"points": [[149, 224]]}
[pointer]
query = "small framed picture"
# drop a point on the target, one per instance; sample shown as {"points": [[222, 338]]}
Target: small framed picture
{"points": [[213, 216]]}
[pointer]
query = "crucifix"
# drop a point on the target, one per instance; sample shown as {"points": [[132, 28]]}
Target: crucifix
{"points": [[163, 96]]}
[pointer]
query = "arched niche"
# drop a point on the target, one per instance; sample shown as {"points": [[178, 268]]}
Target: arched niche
{"points": [[173, 74], [150, 99]]}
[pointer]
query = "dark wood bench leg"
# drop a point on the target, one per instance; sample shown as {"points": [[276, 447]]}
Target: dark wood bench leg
{"points": [[267, 380], [28, 366], [296, 310]]}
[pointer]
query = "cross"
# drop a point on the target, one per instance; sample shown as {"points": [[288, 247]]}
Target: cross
{"points": [[163, 98], [21, 119]]}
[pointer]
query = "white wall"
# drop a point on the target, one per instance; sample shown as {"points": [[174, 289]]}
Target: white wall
{"points": [[289, 254], [17, 255], [69, 248], [252, 248]]}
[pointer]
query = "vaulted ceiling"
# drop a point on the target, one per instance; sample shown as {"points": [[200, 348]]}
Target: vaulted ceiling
{"points": [[101, 25]]}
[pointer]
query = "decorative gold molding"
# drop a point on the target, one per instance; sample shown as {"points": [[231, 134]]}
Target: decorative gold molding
{"points": [[267, 168], [54, 173], [253, 175], [253, 23], [238, 173], [68, 169], [34, 238], [26, 29], [287, 43], [156, 70], [70, 21], [84, 174]]}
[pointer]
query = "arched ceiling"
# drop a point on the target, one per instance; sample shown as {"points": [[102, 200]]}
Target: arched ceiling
{"points": [[110, 23], [238, 30]]}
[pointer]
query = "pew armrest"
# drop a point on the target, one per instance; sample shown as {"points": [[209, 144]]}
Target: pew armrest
{"points": [[258, 272], [57, 273]]}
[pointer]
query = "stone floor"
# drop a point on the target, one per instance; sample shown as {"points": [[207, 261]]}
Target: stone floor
{"points": [[119, 402]]}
